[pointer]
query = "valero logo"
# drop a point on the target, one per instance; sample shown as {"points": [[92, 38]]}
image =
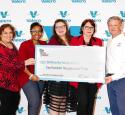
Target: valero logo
{"points": [[4, 17], [64, 15], [78, 1], [108, 1], [107, 110], [19, 37], [48, 1], [18, 1], [122, 13], [4, 14], [21, 110], [107, 34], [33, 15], [94, 15], [19, 33]]}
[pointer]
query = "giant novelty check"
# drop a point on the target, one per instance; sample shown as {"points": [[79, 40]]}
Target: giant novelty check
{"points": [[70, 63]]}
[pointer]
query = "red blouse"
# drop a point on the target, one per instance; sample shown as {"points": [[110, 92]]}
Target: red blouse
{"points": [[10, 66], [53, 41], [79, 40], [27, 50]]}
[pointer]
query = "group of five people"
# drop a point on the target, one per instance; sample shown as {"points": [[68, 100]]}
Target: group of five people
{"points": [[17, 71]]}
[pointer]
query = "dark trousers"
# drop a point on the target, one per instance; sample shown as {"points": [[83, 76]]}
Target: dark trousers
{"points": [[9, 102], [86, 98], [116, 93]]}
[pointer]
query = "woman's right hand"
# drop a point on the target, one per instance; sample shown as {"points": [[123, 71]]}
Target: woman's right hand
{"points": [[30, 61]]}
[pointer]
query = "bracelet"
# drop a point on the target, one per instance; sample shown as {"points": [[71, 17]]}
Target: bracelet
{"points": [[30, 76]]}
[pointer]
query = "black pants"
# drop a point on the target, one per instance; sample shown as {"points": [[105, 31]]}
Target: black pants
{"points": [[86, 97], [9, 102]]}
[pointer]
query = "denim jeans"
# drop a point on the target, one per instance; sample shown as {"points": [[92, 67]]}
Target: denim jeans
{"points": [[116, 93], [33, 91]]}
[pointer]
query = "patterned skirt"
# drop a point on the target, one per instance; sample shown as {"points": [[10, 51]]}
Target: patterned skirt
{"points": [[60, 96]]}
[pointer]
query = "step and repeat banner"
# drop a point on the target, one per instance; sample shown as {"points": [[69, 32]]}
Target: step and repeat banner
{"points": [[21, 13]]}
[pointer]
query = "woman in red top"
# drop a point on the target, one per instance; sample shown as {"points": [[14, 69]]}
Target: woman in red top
{"points": [[10, 67], [33, 88], [59, 97], [86, 91]]}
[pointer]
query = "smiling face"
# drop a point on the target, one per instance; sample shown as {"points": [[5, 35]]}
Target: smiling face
{"points": [[7, 35], [60, 29], [88, 29], [115, 27], [36, 32]]}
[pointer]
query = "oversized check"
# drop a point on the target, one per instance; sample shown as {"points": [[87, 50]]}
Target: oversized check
{"points": [[70, 63]]}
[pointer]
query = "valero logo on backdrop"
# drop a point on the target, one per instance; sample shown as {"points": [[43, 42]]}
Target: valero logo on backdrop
{"points": [[107, 110], [94, 15], [19, 37], [21, 110], [19, 33], [18, 1], [4, 17], [33, 15], [122, 13], [64, 14], [99, 97], [109, 1], [107, 34], [78, 1], [48, 1]]}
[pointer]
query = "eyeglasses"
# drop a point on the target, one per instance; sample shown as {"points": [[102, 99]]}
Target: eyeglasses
{"points": [[89, 28], [60, 27], [36, 32]]}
